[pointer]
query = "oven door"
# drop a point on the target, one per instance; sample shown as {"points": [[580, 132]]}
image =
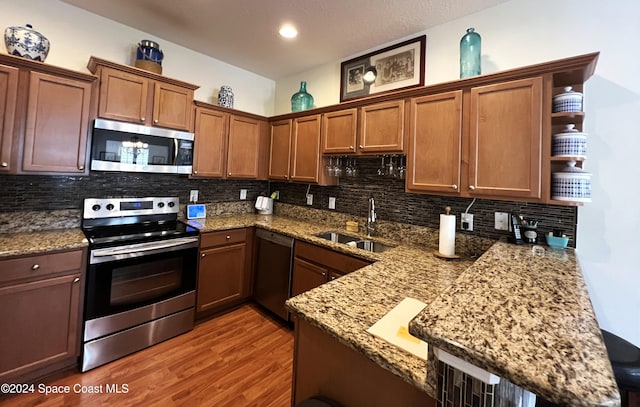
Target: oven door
{"points": [[124, 278]]}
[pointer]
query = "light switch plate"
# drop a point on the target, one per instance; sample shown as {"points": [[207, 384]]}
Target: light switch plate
{"points": [[332, 202]]}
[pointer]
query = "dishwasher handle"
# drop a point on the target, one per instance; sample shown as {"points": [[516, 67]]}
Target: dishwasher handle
{"points": [[276, 238]]}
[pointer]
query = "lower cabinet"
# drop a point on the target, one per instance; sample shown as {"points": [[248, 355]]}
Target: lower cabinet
{"points": [[40, 314], [315, 265], [224, 270]]}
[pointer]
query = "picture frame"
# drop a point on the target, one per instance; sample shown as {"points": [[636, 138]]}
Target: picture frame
{"points": [[398, 66]]}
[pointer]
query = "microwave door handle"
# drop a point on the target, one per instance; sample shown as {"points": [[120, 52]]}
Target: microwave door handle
{"points": [[150, 247], [175, 151]]}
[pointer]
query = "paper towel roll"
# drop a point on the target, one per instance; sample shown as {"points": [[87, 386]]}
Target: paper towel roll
{"points": [[447, 243]]}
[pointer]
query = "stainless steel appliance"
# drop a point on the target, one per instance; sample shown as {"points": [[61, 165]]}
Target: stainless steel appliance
{"points": [[120, 146], [141, 276], [272, 281]]}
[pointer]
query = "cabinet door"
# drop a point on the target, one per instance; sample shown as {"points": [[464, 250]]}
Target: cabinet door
{"points": [[8, 94], [279, 150], [172, 106], [307, 276], [339, 131], [210, 146], [244, 148], [435, 137], [40, 322], [505, 139], [221, 277], [382, 128], [57, 124], [123, 96], [305, 149]]}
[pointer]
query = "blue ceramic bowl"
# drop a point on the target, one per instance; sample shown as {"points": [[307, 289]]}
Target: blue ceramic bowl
{"points": [[557, 242]]}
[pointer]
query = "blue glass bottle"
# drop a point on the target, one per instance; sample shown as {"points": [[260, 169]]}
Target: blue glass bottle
{"points": [[301, 100], [470, 54]]}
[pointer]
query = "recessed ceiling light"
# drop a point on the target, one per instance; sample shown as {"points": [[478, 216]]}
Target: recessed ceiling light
{"points": [[288, 31]]}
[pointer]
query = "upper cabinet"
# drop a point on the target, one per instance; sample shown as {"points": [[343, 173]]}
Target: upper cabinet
{"points": [[137, 96], [372, 129], [229, 145], [46, 112], [294, 153]]}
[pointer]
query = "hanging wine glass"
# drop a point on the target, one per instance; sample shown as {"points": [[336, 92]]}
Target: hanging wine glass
{"points": [[392, 168], [382, 170], [402, 169], [338, 168], [354, 168], [330, 168]]}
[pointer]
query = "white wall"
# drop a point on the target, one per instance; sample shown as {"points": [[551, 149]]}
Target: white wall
{"points": [[76, 35], [524, 32]]}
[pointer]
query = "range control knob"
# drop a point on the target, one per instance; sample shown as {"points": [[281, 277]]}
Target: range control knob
{"points": [[160, 204], [171, 204], [96, 207], [110, 207]]}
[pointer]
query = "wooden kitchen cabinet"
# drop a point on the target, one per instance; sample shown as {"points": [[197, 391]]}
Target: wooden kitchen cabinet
{"points": [[294, 153], [315, 265], [371, 129], [8, 96], [504, 141], [137, 96], [224, 270], [228, 145], [505, 138], [40, 314], [46, 112], [435, 142]]}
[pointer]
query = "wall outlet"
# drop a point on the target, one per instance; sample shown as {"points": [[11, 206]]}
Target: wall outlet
{"points": [[332, 202], [193, 195], [309, 199], [466, 222], [243, 194], [501, 221]]}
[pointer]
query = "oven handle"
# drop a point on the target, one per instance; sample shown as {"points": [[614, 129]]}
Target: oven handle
{"points": [[140, 249]]}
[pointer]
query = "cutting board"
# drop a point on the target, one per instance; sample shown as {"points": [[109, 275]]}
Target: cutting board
{"points": [[394, 327]]}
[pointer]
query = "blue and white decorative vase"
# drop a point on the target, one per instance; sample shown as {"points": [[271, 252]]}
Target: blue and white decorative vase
{"points": [[26, 43], [225, 96]]}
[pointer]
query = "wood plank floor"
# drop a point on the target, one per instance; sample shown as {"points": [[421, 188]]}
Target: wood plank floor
{"points": [[242, 358]]}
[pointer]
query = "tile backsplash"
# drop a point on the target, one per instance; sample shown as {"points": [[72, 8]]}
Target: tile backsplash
{"points": [[37, 193]]}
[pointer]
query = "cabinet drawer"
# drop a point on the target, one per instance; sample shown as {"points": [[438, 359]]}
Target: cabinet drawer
{"points": [[333, 260], [223, 237], [41, 265]]}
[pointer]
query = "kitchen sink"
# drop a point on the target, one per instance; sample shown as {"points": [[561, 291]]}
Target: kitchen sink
{"points": [[355, 241]]}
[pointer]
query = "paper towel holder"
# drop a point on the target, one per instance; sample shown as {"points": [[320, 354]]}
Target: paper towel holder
{"points": [[447, 211]]}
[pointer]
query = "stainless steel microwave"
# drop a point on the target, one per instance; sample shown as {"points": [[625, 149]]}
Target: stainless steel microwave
{"points": [[120, 146]]}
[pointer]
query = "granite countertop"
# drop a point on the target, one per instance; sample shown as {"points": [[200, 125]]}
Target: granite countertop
{"points": [[25, 243], [523, 315]]}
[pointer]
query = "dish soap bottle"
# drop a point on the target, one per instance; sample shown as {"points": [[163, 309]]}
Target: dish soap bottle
{"points": [[301, 100], [470, 54]]}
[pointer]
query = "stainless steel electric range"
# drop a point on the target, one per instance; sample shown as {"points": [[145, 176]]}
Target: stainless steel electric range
{"points": [[141, 276]]}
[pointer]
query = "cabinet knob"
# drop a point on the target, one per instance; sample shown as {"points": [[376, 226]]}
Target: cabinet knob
{"points": [[35, 267], [195, 172], [228, 237], [142, 119], [324, 273], [472, 188], [454, 186], [81, 167], [286, 177], [229, 174], [361, 146], [5, 164], [76, 280], [202, 255], [155, 121], [351, 148]]}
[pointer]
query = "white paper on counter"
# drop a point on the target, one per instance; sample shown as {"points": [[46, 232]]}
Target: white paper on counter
{"points": [[394, 327]]}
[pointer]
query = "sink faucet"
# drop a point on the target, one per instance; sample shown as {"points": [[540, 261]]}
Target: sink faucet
{"points": [[371, 217]]}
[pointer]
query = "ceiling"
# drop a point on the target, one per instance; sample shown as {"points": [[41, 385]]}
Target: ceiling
{"points": [[244, 33]]}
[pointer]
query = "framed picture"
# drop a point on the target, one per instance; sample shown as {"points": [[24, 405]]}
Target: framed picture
{"points": [[397, 67]]}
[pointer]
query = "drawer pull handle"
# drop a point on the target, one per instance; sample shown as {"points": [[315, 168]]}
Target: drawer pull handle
{"points": [[35, 267], [76, 280]]}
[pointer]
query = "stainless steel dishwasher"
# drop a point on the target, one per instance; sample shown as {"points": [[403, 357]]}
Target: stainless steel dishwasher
{"points": [[272, 282]]}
